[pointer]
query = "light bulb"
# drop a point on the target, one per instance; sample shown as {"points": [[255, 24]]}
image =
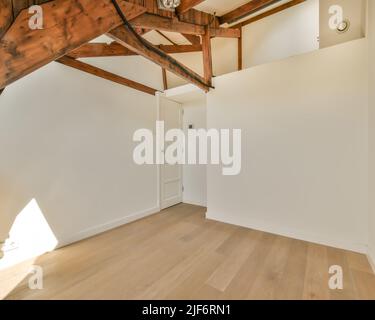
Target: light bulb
{"points": [[169, 4]]}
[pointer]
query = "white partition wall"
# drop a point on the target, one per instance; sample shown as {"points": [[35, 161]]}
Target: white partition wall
{"points": [[287, 33], [304, 147], [195, 176]]}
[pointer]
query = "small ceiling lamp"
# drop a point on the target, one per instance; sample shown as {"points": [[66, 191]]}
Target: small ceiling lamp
{"points": [[170, 5], [343, 26]]}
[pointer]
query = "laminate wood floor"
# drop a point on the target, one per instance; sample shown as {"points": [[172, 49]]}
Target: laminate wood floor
{"points": [[178, 254]]}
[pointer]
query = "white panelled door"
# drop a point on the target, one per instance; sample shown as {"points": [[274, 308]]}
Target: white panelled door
{"points": [[170, 175]]}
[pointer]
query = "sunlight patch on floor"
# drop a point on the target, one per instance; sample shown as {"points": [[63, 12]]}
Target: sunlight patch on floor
{"points": [[29, 237]]}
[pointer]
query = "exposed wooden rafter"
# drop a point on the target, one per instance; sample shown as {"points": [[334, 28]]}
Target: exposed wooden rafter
{"points": [[192, 39], [165, 79], [225, 32], [166, 37], [268, 13], [127, 38], [19, 5], [94, 50], [141, 31], [68, 24], [105, 74], [114, 49], [207, 56], [190, 16], [245, 10], [240, 50], [198, 17], [151, 6], [6, 15], [151, 21], [186, 5], [180, 48]]}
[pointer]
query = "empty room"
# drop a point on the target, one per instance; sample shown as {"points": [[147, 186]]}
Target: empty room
{"points": [[187, 150]]}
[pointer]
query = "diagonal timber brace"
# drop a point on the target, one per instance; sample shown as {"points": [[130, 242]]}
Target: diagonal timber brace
{"points": [[68, 24], [128, 37]]}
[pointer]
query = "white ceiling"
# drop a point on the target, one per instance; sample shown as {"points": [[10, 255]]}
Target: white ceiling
{"points": [[220, 6], [270, 7], [185, 93]]}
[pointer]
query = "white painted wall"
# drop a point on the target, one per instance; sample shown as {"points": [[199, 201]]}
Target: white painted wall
{"points": [[135, 68], [304, 154], [287, 33], [371, 38], [195, 176], [66, 141]]}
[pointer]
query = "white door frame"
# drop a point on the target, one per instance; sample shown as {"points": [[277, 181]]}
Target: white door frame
{"points": [[159, 96]]}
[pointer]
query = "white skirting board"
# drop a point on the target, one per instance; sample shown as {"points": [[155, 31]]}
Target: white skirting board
{"points": [[107, 226], [294, 234]]}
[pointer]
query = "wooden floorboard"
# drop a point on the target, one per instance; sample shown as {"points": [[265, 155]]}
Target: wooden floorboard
{"points": [[178, 254]]}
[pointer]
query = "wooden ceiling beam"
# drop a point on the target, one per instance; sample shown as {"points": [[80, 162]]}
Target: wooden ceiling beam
{"points": [[94, 50], [6, 16], [114, 49], [181, 48], [207, 56], [240, 53], [192, 38], [190, 15], [19, 5], [186, 5], [152, 21], [70, 62], [166, 37], [165, 78], [245, 10], [225, 33], [68, 24], [269, 13], [199, 17], [126, 37], [142, 31]]}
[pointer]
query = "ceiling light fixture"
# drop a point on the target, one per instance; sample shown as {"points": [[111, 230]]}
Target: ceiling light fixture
{"points": [[170, 5], [343, 26]]}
